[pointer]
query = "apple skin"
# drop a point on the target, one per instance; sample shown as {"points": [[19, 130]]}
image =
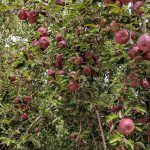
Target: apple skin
{"points": [[59, 58], [74, 75], [143, 42], [22, 14], [73, 86], [35, 43], [77, 60], [87, 70], [147, 56], [103, 23], [42, 31], [62, 44], [17, 100], [145, 84], [12, 78], [51, 72], [114, 26], [126, 1], [134, 52], [126, 126], [59, 38], [32, 16], [60, 2], [122, 36], [44, 42], [89, 55], [137, 6], [133, 35], [27, 99], [132, 75], [60, 72], [24, 116]]}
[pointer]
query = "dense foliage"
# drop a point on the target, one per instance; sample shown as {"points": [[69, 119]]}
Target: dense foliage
{"points": [[74, 75]]}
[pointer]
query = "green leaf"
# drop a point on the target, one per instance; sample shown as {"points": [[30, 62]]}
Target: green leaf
{"points": [[116, 138], [111, 117], [130, 144]]}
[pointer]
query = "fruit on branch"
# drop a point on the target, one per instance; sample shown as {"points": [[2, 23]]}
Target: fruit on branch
{"points": [[22, 14], [145, 83], [77, 60], [59, 58], [122, 36], [116, 109], [17, 100], [114, 26], [59, 38], [134, 52], [126, 1], [133, 35], [62, 44], [12, 78], [103, 23], [32, 16], [132, 75], [143, 42], [134, 83], [126, 126], [60, 72], [137, 7], [73, 86], [147, 56], [27, 99], [60, 2], [42, 31], [35, 43], [36, 129], [120, 148], [51, 72], [87, 70], [44, 42], [74, 75], [24, 116], [89, 55]]}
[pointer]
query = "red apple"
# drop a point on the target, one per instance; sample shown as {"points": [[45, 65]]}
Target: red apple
{"points": [[44, 42], [134, 52], [62, 44], [133, 35], [77, 60], [42, 31], [17, 100], [114, 26], [135, 83], [89, 55], [103, 23], [132, 75], [147, 56], [122, 36], [22, 14], [32, 16], [27, 99], [12, 78], [137, 7], [126, 126], [87, 70], [59, 58], [59, 38], [35, 43], [24, 116], [51, 73], [126, 1], [145, 83], [60, 2], [60, 72], [73, 86], [74, 75], [143, 42]]}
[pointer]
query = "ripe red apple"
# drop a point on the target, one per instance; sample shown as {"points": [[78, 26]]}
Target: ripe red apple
{"points": [[103, 23], [116, 109], [145, 83], [77, 60], [126, 126], [62, 44], [132, 75], [42, 31], [143, 42], [108, 1], [89, 55], [134, 83], [60, 72], [114, 26], [59, 38], [32, 16], [60, 2], [35, 43], [51, 72], [12, 78], [119, 3], [24, 116], [44, 42], [134, 52], [22, 14], [137, 7], [133, 35], [143, 120], [126, 1], [73, 86], [122, 36], [59, 58], [28, 99], [147, 56], [17, 100], [87, 70]]}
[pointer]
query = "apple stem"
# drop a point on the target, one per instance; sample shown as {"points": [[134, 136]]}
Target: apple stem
{"points": [[100, 128]]}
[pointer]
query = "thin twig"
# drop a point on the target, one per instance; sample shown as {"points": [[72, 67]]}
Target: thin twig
{"points": [[100, 128]]}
